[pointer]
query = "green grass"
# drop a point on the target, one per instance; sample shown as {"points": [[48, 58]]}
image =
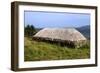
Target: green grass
{"points": [[38, 51]]}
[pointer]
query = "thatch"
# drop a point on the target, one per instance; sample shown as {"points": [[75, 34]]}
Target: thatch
{"points": [[68, 35]]}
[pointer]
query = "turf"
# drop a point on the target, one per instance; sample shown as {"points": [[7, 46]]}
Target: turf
{"points": [[39, 51]]}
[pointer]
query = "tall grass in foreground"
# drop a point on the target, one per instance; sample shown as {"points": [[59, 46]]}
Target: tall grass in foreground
{"points": [[38, 51]]}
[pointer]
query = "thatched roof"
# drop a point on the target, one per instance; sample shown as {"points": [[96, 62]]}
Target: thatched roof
{"points": [[66, 34]]}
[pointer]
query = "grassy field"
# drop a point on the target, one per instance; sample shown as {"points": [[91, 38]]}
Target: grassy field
{"points": [[38, 51]]}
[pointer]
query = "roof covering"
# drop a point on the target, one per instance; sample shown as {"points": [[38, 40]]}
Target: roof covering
{"points": [[66, 34]]}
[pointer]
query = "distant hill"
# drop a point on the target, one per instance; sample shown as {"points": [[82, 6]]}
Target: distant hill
{"points": [[85, 30]]}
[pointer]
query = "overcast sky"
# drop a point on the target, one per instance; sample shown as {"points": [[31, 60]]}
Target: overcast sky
{"points": [[55, 19]]}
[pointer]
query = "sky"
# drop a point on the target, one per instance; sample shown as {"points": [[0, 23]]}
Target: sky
{"points": [[55, 19]]}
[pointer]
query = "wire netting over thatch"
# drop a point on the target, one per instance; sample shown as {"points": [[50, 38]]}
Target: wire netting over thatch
{"points": [[63, 35]]}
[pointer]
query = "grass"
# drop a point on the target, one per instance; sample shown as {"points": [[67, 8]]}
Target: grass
{"points": [[38, 51]]}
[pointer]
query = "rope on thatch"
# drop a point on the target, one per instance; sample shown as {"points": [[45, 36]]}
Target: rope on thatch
{"points": [[72, 44]]}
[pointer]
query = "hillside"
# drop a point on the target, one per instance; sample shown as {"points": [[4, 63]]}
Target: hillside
{"points": [[85, 30], [38, 51]]}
